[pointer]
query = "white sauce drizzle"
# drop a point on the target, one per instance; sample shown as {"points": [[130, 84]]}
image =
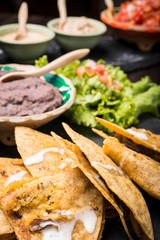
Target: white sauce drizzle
{"points": [[15, 177], [68, 160], [109, 167], [140, 135], [39, 157], [123, 159], [62, 165], [63, 230], [155, 147], [97, 178], [66, 213]]}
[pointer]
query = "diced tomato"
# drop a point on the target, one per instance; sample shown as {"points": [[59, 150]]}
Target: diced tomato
{"points": [[98, 69], [90, 69], [80, 70], [117, 85], [141, 12], [152, 22], [104, 78], [155, 4]]}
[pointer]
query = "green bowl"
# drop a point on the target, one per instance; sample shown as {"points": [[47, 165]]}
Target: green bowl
{"points": [[24, 52], [69, 41]]}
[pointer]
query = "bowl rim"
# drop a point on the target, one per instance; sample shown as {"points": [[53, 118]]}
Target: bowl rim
{"points": [[55, 21], [48, 38], [124, 26], [57, 111]]}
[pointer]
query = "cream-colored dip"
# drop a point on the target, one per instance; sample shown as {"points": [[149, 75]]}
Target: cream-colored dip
{"points": [[31, 37], [62, 230], [80, 26]]}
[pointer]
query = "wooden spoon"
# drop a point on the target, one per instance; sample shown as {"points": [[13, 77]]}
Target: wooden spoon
{"points": [[110, 7], [59, 62], [22, 19], [62, 13]]}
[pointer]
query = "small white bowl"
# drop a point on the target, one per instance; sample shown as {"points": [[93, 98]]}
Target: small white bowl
{"points": [[7, 124]]}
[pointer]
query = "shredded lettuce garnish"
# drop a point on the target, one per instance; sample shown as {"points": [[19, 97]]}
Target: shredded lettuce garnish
{"points": [[96, 99]]}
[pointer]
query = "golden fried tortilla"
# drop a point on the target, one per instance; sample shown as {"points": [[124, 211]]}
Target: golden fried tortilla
{"points": [[10, 171], [139, 136], [5, 225], [141, 169], [72, 191], [121, 186], [94, 177], [34, 146], [54, 203]]}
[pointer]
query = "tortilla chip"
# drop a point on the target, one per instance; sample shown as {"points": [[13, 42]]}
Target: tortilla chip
{"points": [[100, 133], [73, 191], [138, 148], [11, 170], [94, 177], [141, 169], [41, 201], [5, 225], [33, 145], [118, 183], [152, 141]]}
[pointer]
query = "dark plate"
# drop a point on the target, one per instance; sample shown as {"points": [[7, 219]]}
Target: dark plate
{"points": [[113, 228]]}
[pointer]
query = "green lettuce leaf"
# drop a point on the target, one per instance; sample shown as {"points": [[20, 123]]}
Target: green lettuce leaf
{"points": [[95, 99]]}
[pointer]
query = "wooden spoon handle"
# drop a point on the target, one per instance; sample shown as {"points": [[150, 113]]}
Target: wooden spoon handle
{"points": [[22, 18], [109, 3], [60, 62], [110, 7], [62, 11]]}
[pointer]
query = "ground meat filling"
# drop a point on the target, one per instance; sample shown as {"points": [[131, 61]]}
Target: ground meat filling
{"points": [[28, 96]]}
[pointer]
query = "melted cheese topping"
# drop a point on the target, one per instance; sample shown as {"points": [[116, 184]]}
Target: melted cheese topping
{"points": [[97, 178], [109, 167], [140, 135], [15, 177], [62, 165], [123, 158], [39, 157], [63, 230]]}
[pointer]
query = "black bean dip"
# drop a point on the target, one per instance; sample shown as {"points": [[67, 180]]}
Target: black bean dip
{"points": [[28, 96]]}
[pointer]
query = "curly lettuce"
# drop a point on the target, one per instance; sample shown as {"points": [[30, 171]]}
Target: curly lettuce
{"points": [[95, 99]]}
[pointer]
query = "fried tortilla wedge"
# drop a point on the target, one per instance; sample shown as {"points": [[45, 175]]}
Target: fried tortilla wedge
{"points": [[126, 193], [73, 192], [141, 169], [6, 229], [41, 153], [11, 170], [146, 142], [94, 177], [52, 206]]}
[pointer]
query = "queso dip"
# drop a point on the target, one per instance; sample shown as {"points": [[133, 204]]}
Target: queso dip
{"points": [[31, 37]]}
